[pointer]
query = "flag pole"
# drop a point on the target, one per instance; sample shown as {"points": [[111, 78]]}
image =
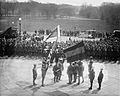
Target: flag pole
{"points": [[58, 36]]}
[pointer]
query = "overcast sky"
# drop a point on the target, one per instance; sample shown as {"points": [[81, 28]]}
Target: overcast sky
{"points": [[76, 2]]}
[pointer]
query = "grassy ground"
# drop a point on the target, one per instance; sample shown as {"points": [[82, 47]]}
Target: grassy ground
{"points": [[32, 24], [66, 24]]}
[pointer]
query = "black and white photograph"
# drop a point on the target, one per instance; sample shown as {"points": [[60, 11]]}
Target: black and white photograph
{"points": [[59, 47]]}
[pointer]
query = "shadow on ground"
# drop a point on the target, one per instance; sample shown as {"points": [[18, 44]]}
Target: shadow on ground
{"points": [[95, 91], [86, 91], [57, 93]]}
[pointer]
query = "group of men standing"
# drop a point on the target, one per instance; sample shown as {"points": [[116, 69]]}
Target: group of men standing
{"points": [[75, 71], [57, 70]]}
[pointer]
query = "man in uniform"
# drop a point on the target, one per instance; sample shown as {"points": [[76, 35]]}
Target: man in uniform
{"points": [[61, 67], [70, 73], [44, 69], [80, 71], [75, 67], [57, 72], [34, 70], [90, 64], [100, 78], [91, 77]]}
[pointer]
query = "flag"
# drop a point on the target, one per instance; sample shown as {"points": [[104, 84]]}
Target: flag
{"points": [[74, 52], [54, 33]]}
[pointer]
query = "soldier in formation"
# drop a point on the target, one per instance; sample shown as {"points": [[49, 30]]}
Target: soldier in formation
{"points": [[70, 73], [91, 77], [90, 65], [61, 67], [44, 69], [75, 68], [100, 78], [80, 71], [34, 70], [57, 72]]}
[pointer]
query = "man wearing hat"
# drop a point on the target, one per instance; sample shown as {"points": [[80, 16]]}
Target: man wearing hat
{"points": [[44, 69], [90, 64], [57, 72], [91, 77], [75, 67], [34, 70], [61, 67], [100, 78], [70, 73], [80, 71]]}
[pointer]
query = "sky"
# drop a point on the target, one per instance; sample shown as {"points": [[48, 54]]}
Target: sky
{"points": [[75, 2]]}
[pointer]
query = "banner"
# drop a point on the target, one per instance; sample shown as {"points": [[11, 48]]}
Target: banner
{"points": [[74, 52], [54, 33]]}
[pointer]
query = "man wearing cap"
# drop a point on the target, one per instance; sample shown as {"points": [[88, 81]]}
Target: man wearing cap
{"points": [[57, 72], [91, 77], [75, 67], [61, 61], [70, 73], [80, 71], [57, 55], [90, 64], [100, 78], [44, 69], [34, 70]]}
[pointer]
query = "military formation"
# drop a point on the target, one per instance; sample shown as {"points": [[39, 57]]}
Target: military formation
{"points": [[75, 71], [105, 49]]}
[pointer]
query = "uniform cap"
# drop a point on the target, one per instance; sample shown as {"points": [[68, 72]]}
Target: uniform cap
{"points": [[91, 57], [101, 69], [34, 64]]}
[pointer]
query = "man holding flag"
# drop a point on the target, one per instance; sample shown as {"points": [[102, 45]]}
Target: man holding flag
{"points": [[54, 33], [74, 53]]}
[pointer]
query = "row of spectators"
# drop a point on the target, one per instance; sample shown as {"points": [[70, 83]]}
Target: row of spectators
{"points": [[72, 32], [107, 49]]}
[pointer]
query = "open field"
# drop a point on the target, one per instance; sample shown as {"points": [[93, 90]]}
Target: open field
{"points": [[32, 24], [66, 24]]}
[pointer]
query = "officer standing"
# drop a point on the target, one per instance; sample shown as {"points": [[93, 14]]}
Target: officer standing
{"points": [[90, 64], [34, 70], [75, 67], [100, 78], [70, 73], [91, 77], [44, 69], [80, 71], [57, 72], [61, 67]]}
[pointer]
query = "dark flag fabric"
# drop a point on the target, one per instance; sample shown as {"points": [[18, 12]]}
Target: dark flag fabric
{"points": [[75, 52]]}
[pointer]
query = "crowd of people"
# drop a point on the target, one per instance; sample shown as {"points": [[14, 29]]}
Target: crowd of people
{"points": [[33, 45], [74, 32]]}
